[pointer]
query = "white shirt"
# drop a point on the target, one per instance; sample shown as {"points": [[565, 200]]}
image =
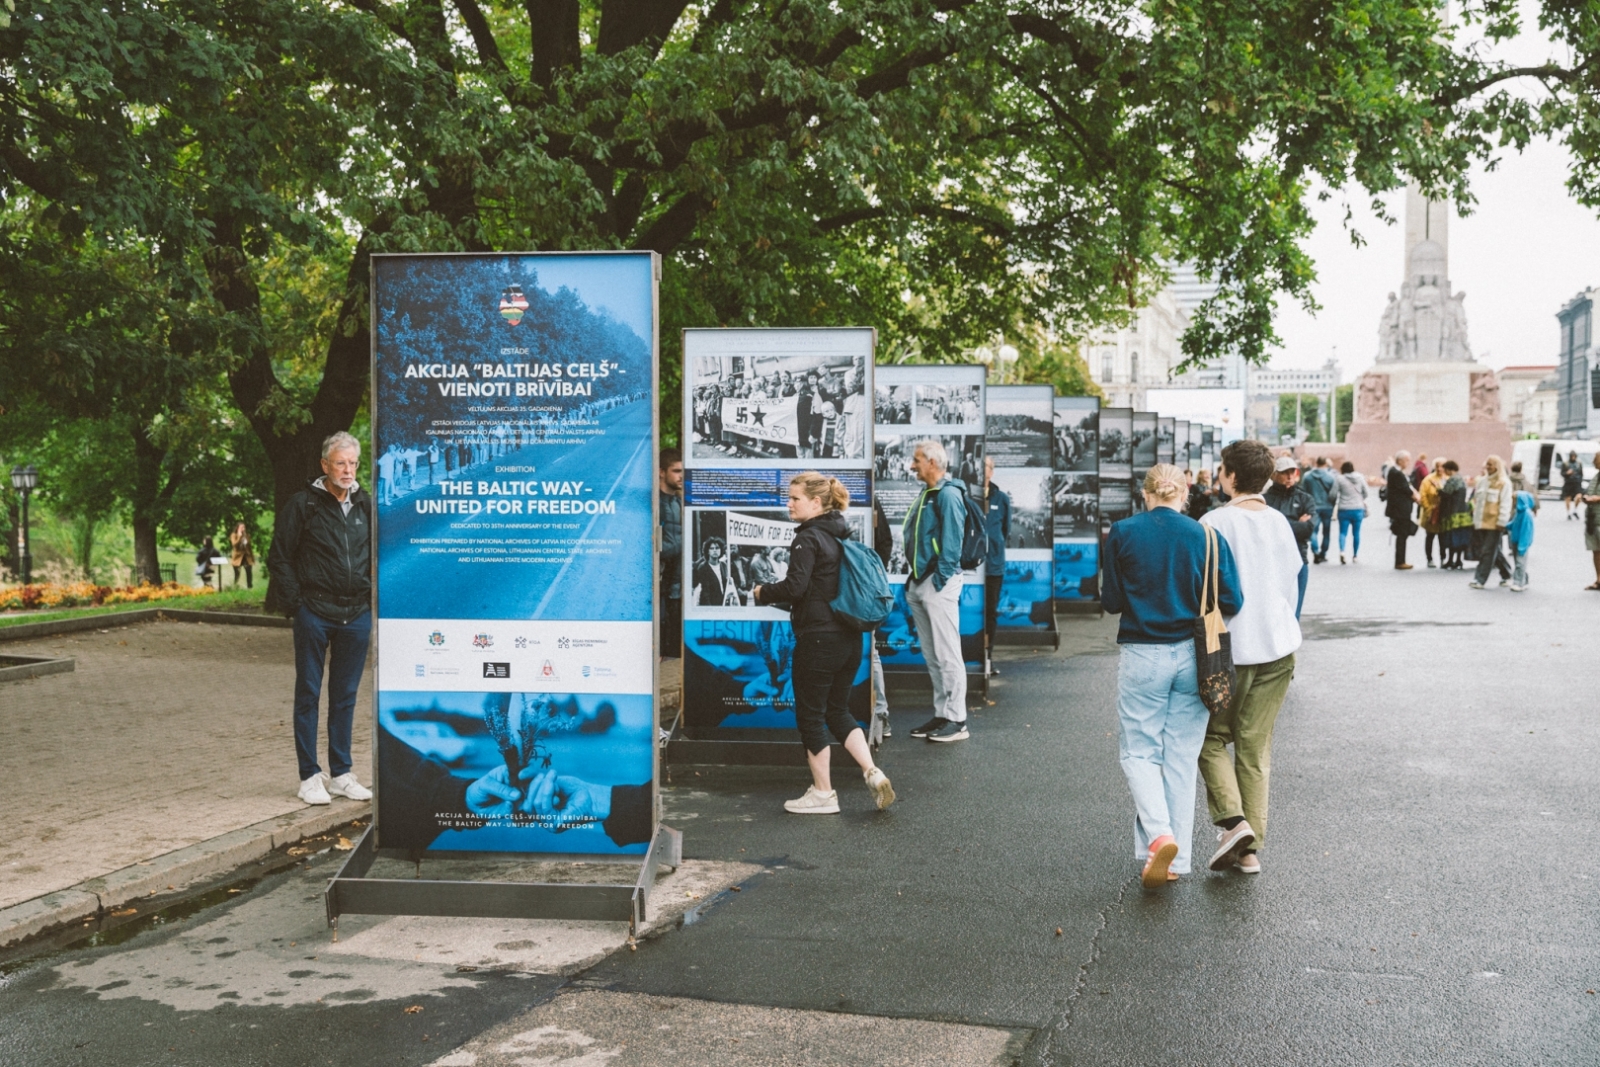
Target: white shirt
{"points": [[1269, 577]]}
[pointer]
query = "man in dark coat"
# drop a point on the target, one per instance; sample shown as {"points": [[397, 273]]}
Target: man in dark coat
{"points": [[1285, 495], [997, 527], [321, 570], [1398, 500]]}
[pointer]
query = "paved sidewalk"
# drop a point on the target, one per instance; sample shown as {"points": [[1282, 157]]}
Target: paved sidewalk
{"points": [[168, 735]]}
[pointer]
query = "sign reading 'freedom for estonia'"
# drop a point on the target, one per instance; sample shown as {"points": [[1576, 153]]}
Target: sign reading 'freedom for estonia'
{"points": [[513, 427]]}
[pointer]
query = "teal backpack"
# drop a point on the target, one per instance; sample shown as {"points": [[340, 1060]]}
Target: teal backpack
{"points": [[864, 598]]}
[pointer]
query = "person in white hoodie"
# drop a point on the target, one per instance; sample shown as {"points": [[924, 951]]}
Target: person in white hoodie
{"points": [[1265, 635]]}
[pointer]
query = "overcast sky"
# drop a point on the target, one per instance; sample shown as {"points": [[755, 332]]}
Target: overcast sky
{"points": [[1524, 252]]}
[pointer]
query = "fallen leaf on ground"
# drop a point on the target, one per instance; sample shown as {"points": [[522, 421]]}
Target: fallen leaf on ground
{"points": [[344, 845], [415, 1009], [120, 912]]}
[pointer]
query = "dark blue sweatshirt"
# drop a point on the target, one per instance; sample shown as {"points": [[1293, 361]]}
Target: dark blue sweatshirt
{"points": [[1153, 568]]}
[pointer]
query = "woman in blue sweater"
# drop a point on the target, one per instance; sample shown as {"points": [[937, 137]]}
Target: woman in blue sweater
{"points": [[1154, 567]]}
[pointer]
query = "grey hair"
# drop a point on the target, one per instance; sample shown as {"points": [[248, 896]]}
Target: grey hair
{"points": [[933, 451], [338, 442]]}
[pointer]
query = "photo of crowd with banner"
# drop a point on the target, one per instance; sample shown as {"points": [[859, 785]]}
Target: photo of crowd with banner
{"points": [[1019, 439], [799, 403]]}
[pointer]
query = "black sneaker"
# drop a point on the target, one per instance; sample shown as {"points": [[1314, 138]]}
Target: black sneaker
{"points": [[928, 727], [950, 731]]}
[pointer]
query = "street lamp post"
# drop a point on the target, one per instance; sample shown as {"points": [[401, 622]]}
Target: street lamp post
{"points": [[23, 480]]}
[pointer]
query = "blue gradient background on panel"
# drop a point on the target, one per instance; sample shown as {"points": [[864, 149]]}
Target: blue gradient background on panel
{"points": [[899, 646], [1026, 600], [608, 746], [741, 674], [582, 309], [1077, 570]]}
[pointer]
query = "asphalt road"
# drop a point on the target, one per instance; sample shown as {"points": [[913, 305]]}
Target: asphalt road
{"points": [[1427, 894]]}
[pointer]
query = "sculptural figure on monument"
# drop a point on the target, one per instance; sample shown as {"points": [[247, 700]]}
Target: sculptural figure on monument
{"points": [[1389, 331], [1372, 398], [1485, 404], [1455, 330], [1408, 323]]}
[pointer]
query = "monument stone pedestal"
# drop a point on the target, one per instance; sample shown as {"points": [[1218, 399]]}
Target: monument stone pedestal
{"points": [[1441, 409]]}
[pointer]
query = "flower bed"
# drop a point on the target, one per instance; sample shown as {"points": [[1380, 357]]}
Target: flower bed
{"points": [[87, 594]]}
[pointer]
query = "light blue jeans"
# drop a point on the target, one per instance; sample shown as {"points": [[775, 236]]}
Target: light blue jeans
{"points": [[1163, 726]]}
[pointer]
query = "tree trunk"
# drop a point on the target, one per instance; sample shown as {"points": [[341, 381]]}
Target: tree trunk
{"points": [[146, 506]]}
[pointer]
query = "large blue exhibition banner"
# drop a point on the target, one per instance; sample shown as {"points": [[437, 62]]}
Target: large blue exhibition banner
{"points": [[513, 413], [1019, 434]]}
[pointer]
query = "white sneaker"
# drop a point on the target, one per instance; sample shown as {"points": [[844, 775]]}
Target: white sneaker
{"points": [[346, 786], [312, 791], [814, 802], [878, 782]]}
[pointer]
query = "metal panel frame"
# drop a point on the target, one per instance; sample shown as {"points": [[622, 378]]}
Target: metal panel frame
{"points": [[351, 892]]}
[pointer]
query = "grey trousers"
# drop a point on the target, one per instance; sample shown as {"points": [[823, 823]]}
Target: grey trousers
{"points": [[938, 617]]}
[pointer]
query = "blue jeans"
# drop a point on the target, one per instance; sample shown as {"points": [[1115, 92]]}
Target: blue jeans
{"points": [[1305, 571], [314, 638], [1163, 726], [1350, 522], [1322, 532]]}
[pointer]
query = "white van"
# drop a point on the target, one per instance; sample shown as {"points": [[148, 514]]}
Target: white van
{"points": [[1546, 457]]}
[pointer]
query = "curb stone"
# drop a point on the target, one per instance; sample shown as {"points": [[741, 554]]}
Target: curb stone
{"points": [[175, 870]]}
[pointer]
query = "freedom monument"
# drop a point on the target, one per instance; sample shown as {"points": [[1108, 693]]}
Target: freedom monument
{"points": [[1426, 394]]}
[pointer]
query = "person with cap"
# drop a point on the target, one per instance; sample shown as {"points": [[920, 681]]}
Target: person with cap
{"points": [[1285, 496]]}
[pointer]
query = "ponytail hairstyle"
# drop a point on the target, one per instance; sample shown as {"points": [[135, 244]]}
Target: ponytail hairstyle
{"points": [[1165, 483], [830, 492]]}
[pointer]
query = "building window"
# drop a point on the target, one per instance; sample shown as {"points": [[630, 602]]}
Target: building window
{"points": [[1133, 368], [1108, 365]]}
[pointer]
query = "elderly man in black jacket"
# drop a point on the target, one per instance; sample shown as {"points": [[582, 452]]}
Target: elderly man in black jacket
{"points": [[321, 570], [1398, 498]]}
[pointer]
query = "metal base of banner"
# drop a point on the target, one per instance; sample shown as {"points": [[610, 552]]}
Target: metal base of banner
{"points": [[1080, 608], [1021, 638], [351, 892]]}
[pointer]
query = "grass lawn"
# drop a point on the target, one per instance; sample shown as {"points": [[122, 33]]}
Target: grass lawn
{"points": [[242, 600]]}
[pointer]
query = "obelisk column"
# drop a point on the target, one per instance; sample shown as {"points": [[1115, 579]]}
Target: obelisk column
{"points": [[1426, 220]]}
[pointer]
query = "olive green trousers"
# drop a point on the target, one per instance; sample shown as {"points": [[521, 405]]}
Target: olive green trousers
{"points": [[1237, 784]]}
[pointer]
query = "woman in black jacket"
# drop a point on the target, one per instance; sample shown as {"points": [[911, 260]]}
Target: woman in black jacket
{"points": [[826, 655]]}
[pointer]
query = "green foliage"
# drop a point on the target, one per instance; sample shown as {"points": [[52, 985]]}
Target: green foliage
{"points": [[1311, 415], [1344, 411]]}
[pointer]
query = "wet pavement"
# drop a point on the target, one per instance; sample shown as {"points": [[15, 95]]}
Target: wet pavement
{"points": [[1428, 893]]}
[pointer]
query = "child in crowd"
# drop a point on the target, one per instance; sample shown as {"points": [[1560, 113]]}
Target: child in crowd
{"points": [[1520, 532]]}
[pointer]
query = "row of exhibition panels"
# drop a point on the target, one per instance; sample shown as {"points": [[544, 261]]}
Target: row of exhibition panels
{"points": [[761, 405]]}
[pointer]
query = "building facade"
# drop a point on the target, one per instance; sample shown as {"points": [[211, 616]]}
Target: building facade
{"points": [[1517, 386], [1574, 373], [1124, 363]]}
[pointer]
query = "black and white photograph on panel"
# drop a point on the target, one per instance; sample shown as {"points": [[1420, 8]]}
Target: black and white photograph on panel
{"points": [[1116, 443], [1029, 490], [1077, 434], [1166, 440], [892, 405], [1018, 425], [1116, 501], [1180, 443], [947, 405], [733, 551], [1144, 442], [1077, 504], [753, 397]]}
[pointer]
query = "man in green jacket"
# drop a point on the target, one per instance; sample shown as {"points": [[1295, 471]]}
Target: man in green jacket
{"points": [[933, 528]]}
